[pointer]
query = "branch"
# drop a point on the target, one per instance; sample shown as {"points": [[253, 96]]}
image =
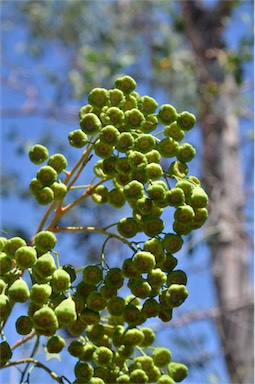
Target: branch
{"points": [[37, 364]]}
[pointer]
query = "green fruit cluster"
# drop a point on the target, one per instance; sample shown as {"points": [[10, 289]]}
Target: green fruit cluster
{"points": [[149, 173]]}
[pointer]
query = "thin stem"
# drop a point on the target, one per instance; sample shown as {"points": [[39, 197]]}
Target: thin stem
{"points": [[94, 229], [23, 340], [37, 342], [30, 360]]}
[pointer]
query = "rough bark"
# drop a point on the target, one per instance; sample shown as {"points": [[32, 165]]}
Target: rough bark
{"points": [[222, 173]]}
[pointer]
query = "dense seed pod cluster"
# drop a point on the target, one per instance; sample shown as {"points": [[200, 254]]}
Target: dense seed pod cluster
{"points": [[149, 174]]}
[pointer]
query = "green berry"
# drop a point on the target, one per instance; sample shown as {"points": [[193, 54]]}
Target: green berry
{"points": [[150, 308], [45, 321], [38, 154], [128, 268], [182, 228], [55, 344], [3, 241], [84, 110], [134, 118], [44, 196], [125, 141], [186, 120], [117, 97], [59, 190], [109, 134], [58, 162], [156, 277], [77, 138], [126, 84], [60, 281], [177, 371], [95, 332], [167, 114], [46, 175], [137, 160], [45, 241], [184, 214], [5, 263], [149, 337], [130, 103], [12, 245], [25, 257], [92, 274], [186, 152], [90, 124], [76, 328], [201, 215], [127, 227], [167, 147], [103, 149], [5, 353], [5, 307], [161, 357], [140, 288], [84, 289], [133, 190], [98, 97], [95, 301], [40, 293], [113, 116], [174, 131], [172, 243], [45, 265], [198, 198], [149, 124], [116, 305], [83, 370], [165, 379], [146, 362], [19, 291], [132, 315], [187, 187], [24, 325], [178, 169], [153, 171], [144, 261], [138, 376], [147, 105], [107, 291], [156, 191], [66, 312], [76, 348], [100, 194], [102, 356], [145, 143], [133, 336], [88, 316], [175, 197], [152, 225], [116, 197], [114, 278], [176, 294], [70, 270]]}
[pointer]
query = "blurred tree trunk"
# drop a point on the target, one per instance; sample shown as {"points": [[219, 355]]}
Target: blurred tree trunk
{"points": [[222, 173]]}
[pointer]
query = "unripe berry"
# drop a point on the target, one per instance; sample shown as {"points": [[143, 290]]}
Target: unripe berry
{"points": [[122, 379], [84, 110], [45, 241], [12, 245], [59, 190], [58, 162], [172, 243], [25, 257], [5, 353], [154, 374], [19, 291], [198, 198], [144, 261], [5, 307], [98, 97], [109, 134], [175, 197], [96, 380], [177, 371], [40, 293], [45, 265], [66, 312], [44, 196], [137, 160], [116, 197], [149, 337], [128, 268], [146, 362], [55, 344], [114, 278], [88, 316], [133, 336], [84, 289], [153, 171], [116, 305], [77, 138], [144, 143], [150, 123], [174, 131], [103, 149], [45, 320], [167, 114], [76, 348], [201, 215], [186, 152], [46, 175], [156, 191], [161, 357], [152, 225], [60, 281], [186, 120], [176, 294], [95, 301], [138, 376], [147, 105], [177, 277], [38, 154], [182, 228], [165, 379], [127, 227], [140, 288], [169, 263], [126, 84], [117, 97], [150, 308], [167, 147], [102, 356], [2, 285], [83, 371], [130, 102], [90, 124], [125, 141], [178, 169], [95, 332], [133, 190], [76, 328], [92, 274], [184, 214], [156, 277], [3, 241], [132, 315], [5, 263], [107, 292]]}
